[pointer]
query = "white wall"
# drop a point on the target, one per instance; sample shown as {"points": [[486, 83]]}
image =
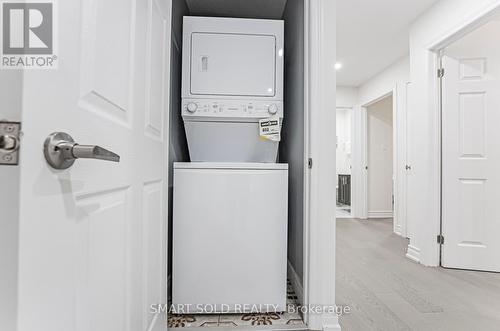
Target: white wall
{"points": [[380, 155], [10, 109], [347, 97], [384, 82], [440, 22]]}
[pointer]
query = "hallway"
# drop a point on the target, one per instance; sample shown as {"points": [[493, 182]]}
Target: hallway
{"points": [[386, 291]]}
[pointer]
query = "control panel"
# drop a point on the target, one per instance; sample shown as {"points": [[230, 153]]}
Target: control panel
{"points": [[230, 108]]}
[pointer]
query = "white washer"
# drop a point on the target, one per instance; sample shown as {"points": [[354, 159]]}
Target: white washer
{"points": [[232, 76], [228, 131], [230, 236]]}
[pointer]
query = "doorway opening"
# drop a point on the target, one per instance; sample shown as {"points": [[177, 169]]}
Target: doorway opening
{"points": [[380, 160], [291, 152], [344, 162]]}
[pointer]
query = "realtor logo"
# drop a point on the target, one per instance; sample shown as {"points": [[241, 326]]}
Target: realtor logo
{"points": [[28, 34]]}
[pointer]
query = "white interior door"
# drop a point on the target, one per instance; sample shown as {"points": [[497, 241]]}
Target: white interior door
{"points": [[91, 253], [471, 157]]}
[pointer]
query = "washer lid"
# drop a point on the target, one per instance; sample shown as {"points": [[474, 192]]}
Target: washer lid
{"points": [[229, 165]]}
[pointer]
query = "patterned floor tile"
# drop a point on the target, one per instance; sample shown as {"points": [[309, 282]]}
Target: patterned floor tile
{"points": [[184, 320], [290, 317]]}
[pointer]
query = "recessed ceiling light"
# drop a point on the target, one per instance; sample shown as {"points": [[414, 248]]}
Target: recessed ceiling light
{"points": [[338, 66]]}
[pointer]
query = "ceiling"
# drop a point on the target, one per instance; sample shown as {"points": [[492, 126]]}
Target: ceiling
{"points": [[263, 9], [373, 34]]}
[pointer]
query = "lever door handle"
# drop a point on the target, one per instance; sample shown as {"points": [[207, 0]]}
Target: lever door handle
{"points": [[61, 151]]}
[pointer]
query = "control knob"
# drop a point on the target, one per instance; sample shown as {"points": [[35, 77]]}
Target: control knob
{"points": [[272, 109], [191, 107]]}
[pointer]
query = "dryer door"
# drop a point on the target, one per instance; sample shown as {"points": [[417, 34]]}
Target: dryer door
{"points": [[233, 64]]}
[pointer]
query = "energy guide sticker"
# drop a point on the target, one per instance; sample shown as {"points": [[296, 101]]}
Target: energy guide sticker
{"points": [[270, 128]]}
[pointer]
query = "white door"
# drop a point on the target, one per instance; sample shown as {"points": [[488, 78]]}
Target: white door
{"points": [[91, 254], [471, 153]]}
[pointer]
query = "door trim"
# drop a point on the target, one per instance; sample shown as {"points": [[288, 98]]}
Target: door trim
{"points": [[364, 166], [320, 218], [160, 322]]}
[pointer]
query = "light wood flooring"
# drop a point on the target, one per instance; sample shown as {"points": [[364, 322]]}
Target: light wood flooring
{"points": [[386, 291]]}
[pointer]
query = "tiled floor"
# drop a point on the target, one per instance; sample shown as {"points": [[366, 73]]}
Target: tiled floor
{"points": [[243, 320]]}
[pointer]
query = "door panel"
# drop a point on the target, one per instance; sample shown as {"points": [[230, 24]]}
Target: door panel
{"points": [[252, 60], [92, 252], [102, 231], [106, 58], [471, 158]]}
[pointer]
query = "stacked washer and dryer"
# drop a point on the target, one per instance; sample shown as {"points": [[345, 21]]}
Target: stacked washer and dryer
{"points": [[230, 201]]}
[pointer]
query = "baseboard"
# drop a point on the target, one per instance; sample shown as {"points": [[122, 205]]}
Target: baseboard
{"points": [[296, 283], [413, 253], [398, 230], [331, 323], [324, 322], [380, 214]]}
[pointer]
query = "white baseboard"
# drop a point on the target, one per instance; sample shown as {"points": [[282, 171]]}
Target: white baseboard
{"points": [[380, 214], [398, 230], [331, 323], [413, 253], [296, 283], [324, 322]]}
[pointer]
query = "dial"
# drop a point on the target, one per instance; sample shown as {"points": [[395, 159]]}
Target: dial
{"points": [[272, 109], [191, 107]]}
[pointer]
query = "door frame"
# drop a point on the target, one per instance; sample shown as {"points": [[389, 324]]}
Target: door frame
{"points": [[320, 211], [430, 248], [365, 140], [319, 233]]}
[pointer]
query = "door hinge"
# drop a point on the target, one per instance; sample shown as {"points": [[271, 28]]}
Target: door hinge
{"points": [[440, 72], [440, 239], [310, 163]]}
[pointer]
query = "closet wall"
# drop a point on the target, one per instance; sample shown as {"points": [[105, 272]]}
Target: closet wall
{"points": [[178, 150], [292, 144]]}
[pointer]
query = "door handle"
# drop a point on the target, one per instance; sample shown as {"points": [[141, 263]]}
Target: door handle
{"points": [[61, 151]]}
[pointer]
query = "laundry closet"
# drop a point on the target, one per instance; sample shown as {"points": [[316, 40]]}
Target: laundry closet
{"points": [[236, 157]]}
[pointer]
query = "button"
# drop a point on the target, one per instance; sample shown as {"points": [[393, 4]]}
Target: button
{"points": [[273, 109], [191, 107]]}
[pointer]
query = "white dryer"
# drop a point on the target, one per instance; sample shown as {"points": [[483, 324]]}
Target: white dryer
{"points": [[232, 77]]}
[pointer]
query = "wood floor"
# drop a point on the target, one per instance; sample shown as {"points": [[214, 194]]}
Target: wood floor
{"points": [[386, 291]]}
